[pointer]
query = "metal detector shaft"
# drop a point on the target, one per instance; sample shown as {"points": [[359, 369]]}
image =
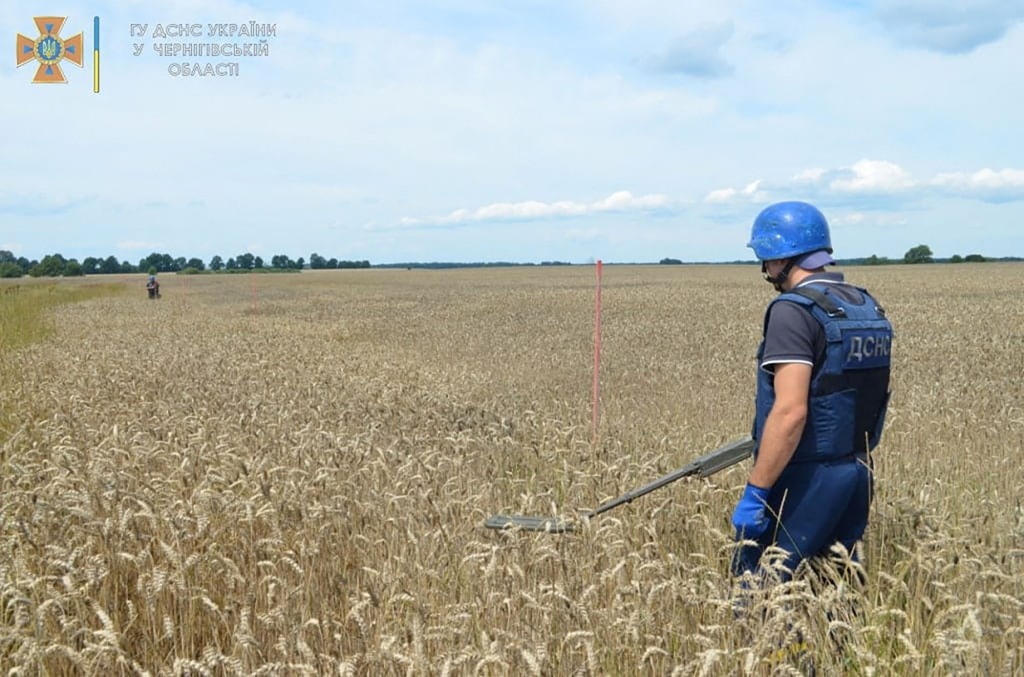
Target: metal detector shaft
{"points": [[704, 466]]}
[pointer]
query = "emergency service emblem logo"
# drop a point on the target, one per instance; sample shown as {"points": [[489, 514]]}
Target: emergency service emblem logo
{"points": [[49, 50]]}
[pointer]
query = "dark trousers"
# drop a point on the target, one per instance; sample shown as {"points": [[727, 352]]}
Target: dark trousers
{"points": [[812, 507]]}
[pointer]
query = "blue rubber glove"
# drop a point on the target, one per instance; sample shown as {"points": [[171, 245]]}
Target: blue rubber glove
{"points": [[749, 516]]}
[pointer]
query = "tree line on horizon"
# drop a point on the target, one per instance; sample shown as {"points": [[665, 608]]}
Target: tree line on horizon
{"points": [[56, 265]]}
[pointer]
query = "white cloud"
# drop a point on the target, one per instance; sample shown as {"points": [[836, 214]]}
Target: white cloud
{"points": [[877, 179], [749, 193], [809, 175], [875, 176], [620, 201], [860, 220], [848, 219], [721, 195], [988, 185], [983, 180]]}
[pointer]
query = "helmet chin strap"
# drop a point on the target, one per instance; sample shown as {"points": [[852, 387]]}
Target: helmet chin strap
{"points": [[783, 274]]}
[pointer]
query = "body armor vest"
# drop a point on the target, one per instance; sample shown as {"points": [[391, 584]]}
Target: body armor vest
{"points": [[849, 390]]}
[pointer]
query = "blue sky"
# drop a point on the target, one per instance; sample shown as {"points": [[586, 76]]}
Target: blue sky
{"points": [[467, 130]]}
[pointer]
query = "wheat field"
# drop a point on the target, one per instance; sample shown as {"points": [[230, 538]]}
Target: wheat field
{"points": [[289, 474]]}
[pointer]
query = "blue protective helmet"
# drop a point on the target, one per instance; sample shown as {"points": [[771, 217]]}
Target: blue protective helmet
{"points": [[786, 229]]}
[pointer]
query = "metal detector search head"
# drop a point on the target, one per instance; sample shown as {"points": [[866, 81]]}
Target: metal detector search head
{"points": [[705, 466], [551, 525]]}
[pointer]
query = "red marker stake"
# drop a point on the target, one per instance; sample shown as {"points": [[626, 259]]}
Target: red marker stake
{"points": [[596, 417]]}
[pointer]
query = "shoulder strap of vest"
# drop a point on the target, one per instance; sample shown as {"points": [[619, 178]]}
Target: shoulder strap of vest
{"points": [[819, 298]]}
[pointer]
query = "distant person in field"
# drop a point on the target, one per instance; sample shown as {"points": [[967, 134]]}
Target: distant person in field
{"points": [[822, 392], [153, 287]]}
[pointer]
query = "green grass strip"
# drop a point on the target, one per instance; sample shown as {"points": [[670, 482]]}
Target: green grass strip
{"points": [[23, 308], [23, 319]]}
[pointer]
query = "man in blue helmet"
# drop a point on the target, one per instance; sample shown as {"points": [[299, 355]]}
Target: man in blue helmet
{"points": [[822, 393]]}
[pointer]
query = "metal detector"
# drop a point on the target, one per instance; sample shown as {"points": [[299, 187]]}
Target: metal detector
{"points": [[705, 466]]}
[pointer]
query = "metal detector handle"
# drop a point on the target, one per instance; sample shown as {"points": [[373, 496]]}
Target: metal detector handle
{"points": [[704, 466]]}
